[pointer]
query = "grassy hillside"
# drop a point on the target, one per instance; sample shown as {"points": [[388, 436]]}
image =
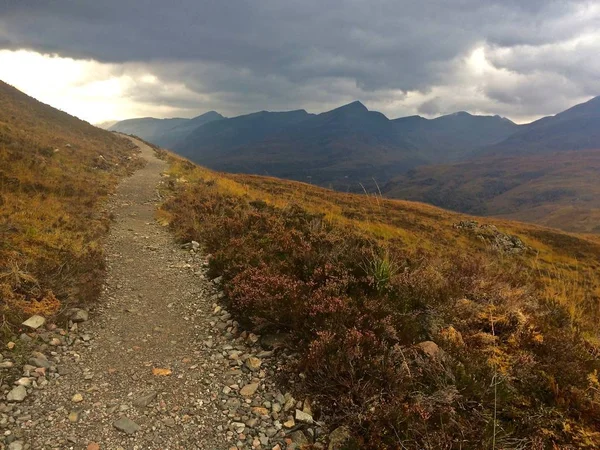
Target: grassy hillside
{"points": [[55, 171], [415, 326], [559, 190]]}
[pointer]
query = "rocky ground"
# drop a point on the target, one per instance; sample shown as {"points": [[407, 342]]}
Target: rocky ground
{"points": [[158, 364]]}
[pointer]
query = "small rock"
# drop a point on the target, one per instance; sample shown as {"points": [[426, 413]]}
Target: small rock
{"points": [[307, 407], [299, 438], [338, 438], [253, 363], [79, 315], [16, 445], [301, 416], [126, 425], [274, 341], [34, 322], [430, 348], [17, 394], [77, 398], [25, 381], [39, 362], [249, 389], [10, 345], [169, 422], [74, 416], [93, 446], [260, 411], [6, 364], [145, 400], [290, 423]]}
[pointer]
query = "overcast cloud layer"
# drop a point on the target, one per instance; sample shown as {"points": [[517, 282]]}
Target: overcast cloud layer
{"points": [[520, 59]]}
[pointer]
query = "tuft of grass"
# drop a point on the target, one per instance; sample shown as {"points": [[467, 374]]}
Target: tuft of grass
{"points": [[381, 268]]}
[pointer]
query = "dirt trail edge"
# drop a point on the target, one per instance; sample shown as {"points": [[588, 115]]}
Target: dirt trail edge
{"points": [[155, 366]]}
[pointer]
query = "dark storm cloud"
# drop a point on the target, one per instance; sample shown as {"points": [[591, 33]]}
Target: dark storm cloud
{"points": [[279, 54]]}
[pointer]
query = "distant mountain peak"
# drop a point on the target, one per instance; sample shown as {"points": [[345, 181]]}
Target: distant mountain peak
{"points": [[209, 115], [354, 106]]}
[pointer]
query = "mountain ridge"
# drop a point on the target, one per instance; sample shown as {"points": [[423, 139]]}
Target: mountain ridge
{"points": [[576, 128], [163, 132]]}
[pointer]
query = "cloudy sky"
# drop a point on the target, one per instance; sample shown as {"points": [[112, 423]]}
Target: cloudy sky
{"points": [[115, 59]]}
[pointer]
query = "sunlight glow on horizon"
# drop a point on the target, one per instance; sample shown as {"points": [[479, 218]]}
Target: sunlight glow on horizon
{"points": [[93, 91], [99, 92]]}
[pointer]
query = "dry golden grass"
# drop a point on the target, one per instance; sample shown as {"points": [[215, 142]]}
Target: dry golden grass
{"points": [[521, 328], [558, 190], [55, 172], [556, 259]]}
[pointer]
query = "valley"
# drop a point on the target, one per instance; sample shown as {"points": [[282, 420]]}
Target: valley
{"points": [[275, 225], [171, 304]]}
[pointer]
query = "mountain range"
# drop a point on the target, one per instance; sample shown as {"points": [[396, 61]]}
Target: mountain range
{"points": [[162, 132], [545, 171], [342, 148]]}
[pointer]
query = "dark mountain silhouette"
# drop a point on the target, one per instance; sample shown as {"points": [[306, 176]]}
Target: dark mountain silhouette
{"points": [[577, 128], [350, 145], [164, 132], [454, 136], [340, 148]]}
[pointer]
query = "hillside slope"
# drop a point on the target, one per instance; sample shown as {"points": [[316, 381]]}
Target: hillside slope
{"points": [[414, 327], [560, 189], [55, 170]]}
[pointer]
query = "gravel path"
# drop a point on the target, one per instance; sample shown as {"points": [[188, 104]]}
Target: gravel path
{"points": [[158, 365]]}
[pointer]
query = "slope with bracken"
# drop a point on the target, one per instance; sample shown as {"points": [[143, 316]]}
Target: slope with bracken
{"points": [[415, 327], [55, 170], [558, 189], [546, 172]]}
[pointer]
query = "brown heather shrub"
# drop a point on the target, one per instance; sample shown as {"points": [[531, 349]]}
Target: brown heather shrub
{"points": [[356, 305]]}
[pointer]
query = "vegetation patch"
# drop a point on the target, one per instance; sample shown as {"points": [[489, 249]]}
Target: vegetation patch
{"points": [[55, 173], [411, 331]]}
